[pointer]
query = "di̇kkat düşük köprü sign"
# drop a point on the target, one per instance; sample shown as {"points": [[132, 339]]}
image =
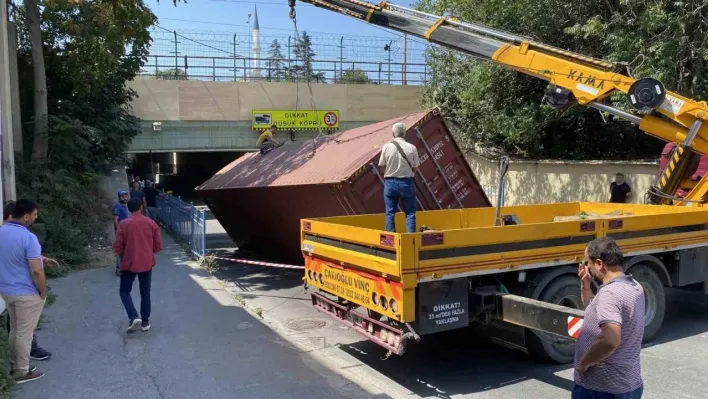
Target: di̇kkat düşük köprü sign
{"points": [[262, 119]]}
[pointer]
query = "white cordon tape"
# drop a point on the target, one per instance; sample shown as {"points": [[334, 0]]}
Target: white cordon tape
{"points": [[258, 263]]}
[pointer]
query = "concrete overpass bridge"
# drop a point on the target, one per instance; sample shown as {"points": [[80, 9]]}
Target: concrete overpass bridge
{"points": [[191, 128], [216, 116]]}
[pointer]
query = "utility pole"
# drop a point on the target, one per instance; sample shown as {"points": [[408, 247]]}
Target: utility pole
{"points": [[341, 60], [405, 58], [235, 44], [176, 53], [388, 49]]}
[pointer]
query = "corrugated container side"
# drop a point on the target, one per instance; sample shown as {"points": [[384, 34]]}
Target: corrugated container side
{"points": [[265, 210]]}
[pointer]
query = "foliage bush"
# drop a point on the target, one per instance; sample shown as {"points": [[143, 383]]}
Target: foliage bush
{"points": [[6, 381], [73, 209], [501, 108]]}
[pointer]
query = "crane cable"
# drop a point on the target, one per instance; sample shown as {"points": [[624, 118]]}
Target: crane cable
{"points": [[293, 17]]}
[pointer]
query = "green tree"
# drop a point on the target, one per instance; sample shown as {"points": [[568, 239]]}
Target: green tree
{"points": [[354, 76], [493, 105], [303, 70], [276, 62], [171, 74], [91, 48]]}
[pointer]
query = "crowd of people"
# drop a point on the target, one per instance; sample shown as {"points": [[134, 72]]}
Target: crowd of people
{"points": [[23, 282]]}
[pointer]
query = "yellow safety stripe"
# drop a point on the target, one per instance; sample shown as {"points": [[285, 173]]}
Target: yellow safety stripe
{"points": [[364, 4]]}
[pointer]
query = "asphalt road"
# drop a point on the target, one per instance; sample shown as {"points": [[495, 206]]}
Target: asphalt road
{"points": [[462, 364], [202, 343]]}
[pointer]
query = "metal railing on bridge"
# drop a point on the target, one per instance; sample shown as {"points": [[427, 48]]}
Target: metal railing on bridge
{"points": [[241, 69], [184, 220], [319, 57]]}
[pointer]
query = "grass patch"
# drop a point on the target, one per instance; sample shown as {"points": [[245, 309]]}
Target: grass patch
{"points": [[6, 381], [258, 312], [209, 263], [240, 300], [51, 298]]}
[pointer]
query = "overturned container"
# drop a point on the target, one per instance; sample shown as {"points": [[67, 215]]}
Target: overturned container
{"points": [[260, 199]]}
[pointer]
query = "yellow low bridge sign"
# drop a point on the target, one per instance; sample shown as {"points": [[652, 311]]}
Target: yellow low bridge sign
{"points": [[295, 119]]}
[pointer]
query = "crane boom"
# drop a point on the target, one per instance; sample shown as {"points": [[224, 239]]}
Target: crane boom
{"points": [[587, 80]]}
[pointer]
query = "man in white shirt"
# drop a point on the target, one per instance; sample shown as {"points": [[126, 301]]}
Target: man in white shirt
{"points": [[400, 160]]}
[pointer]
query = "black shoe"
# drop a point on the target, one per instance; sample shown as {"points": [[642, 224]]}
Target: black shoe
{"points": [[145, 326], [133, 325], [40, 354]]}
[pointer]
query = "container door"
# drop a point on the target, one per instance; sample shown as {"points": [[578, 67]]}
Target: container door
{"points": [[445, 179]]}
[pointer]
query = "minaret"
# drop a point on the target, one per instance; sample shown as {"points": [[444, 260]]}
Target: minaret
{"points": [[256, 36]]}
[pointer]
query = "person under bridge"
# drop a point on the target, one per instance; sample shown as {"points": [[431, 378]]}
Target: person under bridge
{"points": [[266, 142]]}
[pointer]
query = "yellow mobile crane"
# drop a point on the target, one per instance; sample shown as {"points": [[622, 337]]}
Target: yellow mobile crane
{"points": [[514, 267], [571, 77]]}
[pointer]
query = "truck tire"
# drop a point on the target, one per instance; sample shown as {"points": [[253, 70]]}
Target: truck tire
{"points": [[564, 291], [654, 299]]}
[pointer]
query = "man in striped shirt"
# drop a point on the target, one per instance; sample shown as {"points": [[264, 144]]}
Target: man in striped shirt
{"points": [[607, 352]]}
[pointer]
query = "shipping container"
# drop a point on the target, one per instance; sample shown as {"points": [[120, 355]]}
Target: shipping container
{"points": [[260, 199]]}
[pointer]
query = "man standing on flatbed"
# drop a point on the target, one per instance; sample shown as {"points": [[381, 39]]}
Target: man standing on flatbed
{"points": [[400, 158], [607, 351]]}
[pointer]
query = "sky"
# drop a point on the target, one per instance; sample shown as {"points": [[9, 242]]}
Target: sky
{"points": [[207, 29], [232, 16]]}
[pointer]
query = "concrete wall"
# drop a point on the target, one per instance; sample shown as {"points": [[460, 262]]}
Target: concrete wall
{"points": [[192, 100], [555, 181]]}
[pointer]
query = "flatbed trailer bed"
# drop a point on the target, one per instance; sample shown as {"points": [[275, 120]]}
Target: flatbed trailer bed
{"points": [[466, 268]]}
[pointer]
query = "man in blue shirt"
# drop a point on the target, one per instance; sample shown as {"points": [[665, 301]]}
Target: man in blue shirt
{"points": [[120, 213], [23, 285], [37, 352]]}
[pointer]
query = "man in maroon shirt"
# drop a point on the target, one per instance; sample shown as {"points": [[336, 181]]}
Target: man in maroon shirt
{"points": [[137, 242]]}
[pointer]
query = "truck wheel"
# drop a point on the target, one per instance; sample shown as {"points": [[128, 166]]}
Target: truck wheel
{"points": [[654, 300], [564, 291]]}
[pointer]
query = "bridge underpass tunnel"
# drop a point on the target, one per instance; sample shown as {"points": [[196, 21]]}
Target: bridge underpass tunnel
{"points": [[180, 172]]}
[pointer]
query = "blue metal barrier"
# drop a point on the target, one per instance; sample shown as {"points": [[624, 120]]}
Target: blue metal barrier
{"points": [[185, 220]]}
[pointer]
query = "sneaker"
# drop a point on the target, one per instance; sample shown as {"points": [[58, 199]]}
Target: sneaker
{"points": [[31, 369], [40, 354], [145, 326], [31, 376], [133, 325]]}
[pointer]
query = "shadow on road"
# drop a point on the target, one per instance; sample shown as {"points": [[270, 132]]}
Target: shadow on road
{"points": [[463, 362], [457, 362], [258, 279]]}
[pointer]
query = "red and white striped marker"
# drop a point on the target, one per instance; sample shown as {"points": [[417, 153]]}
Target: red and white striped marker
{"points": [[258, 263], [574, 326]]}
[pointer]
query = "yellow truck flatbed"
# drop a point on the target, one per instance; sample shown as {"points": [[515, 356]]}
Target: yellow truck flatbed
{"points": [[448, 277]]}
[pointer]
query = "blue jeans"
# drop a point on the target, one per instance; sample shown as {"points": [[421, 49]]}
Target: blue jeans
{"points": [[396, 189], [117, 262], [584, 393], [126, 285]]}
